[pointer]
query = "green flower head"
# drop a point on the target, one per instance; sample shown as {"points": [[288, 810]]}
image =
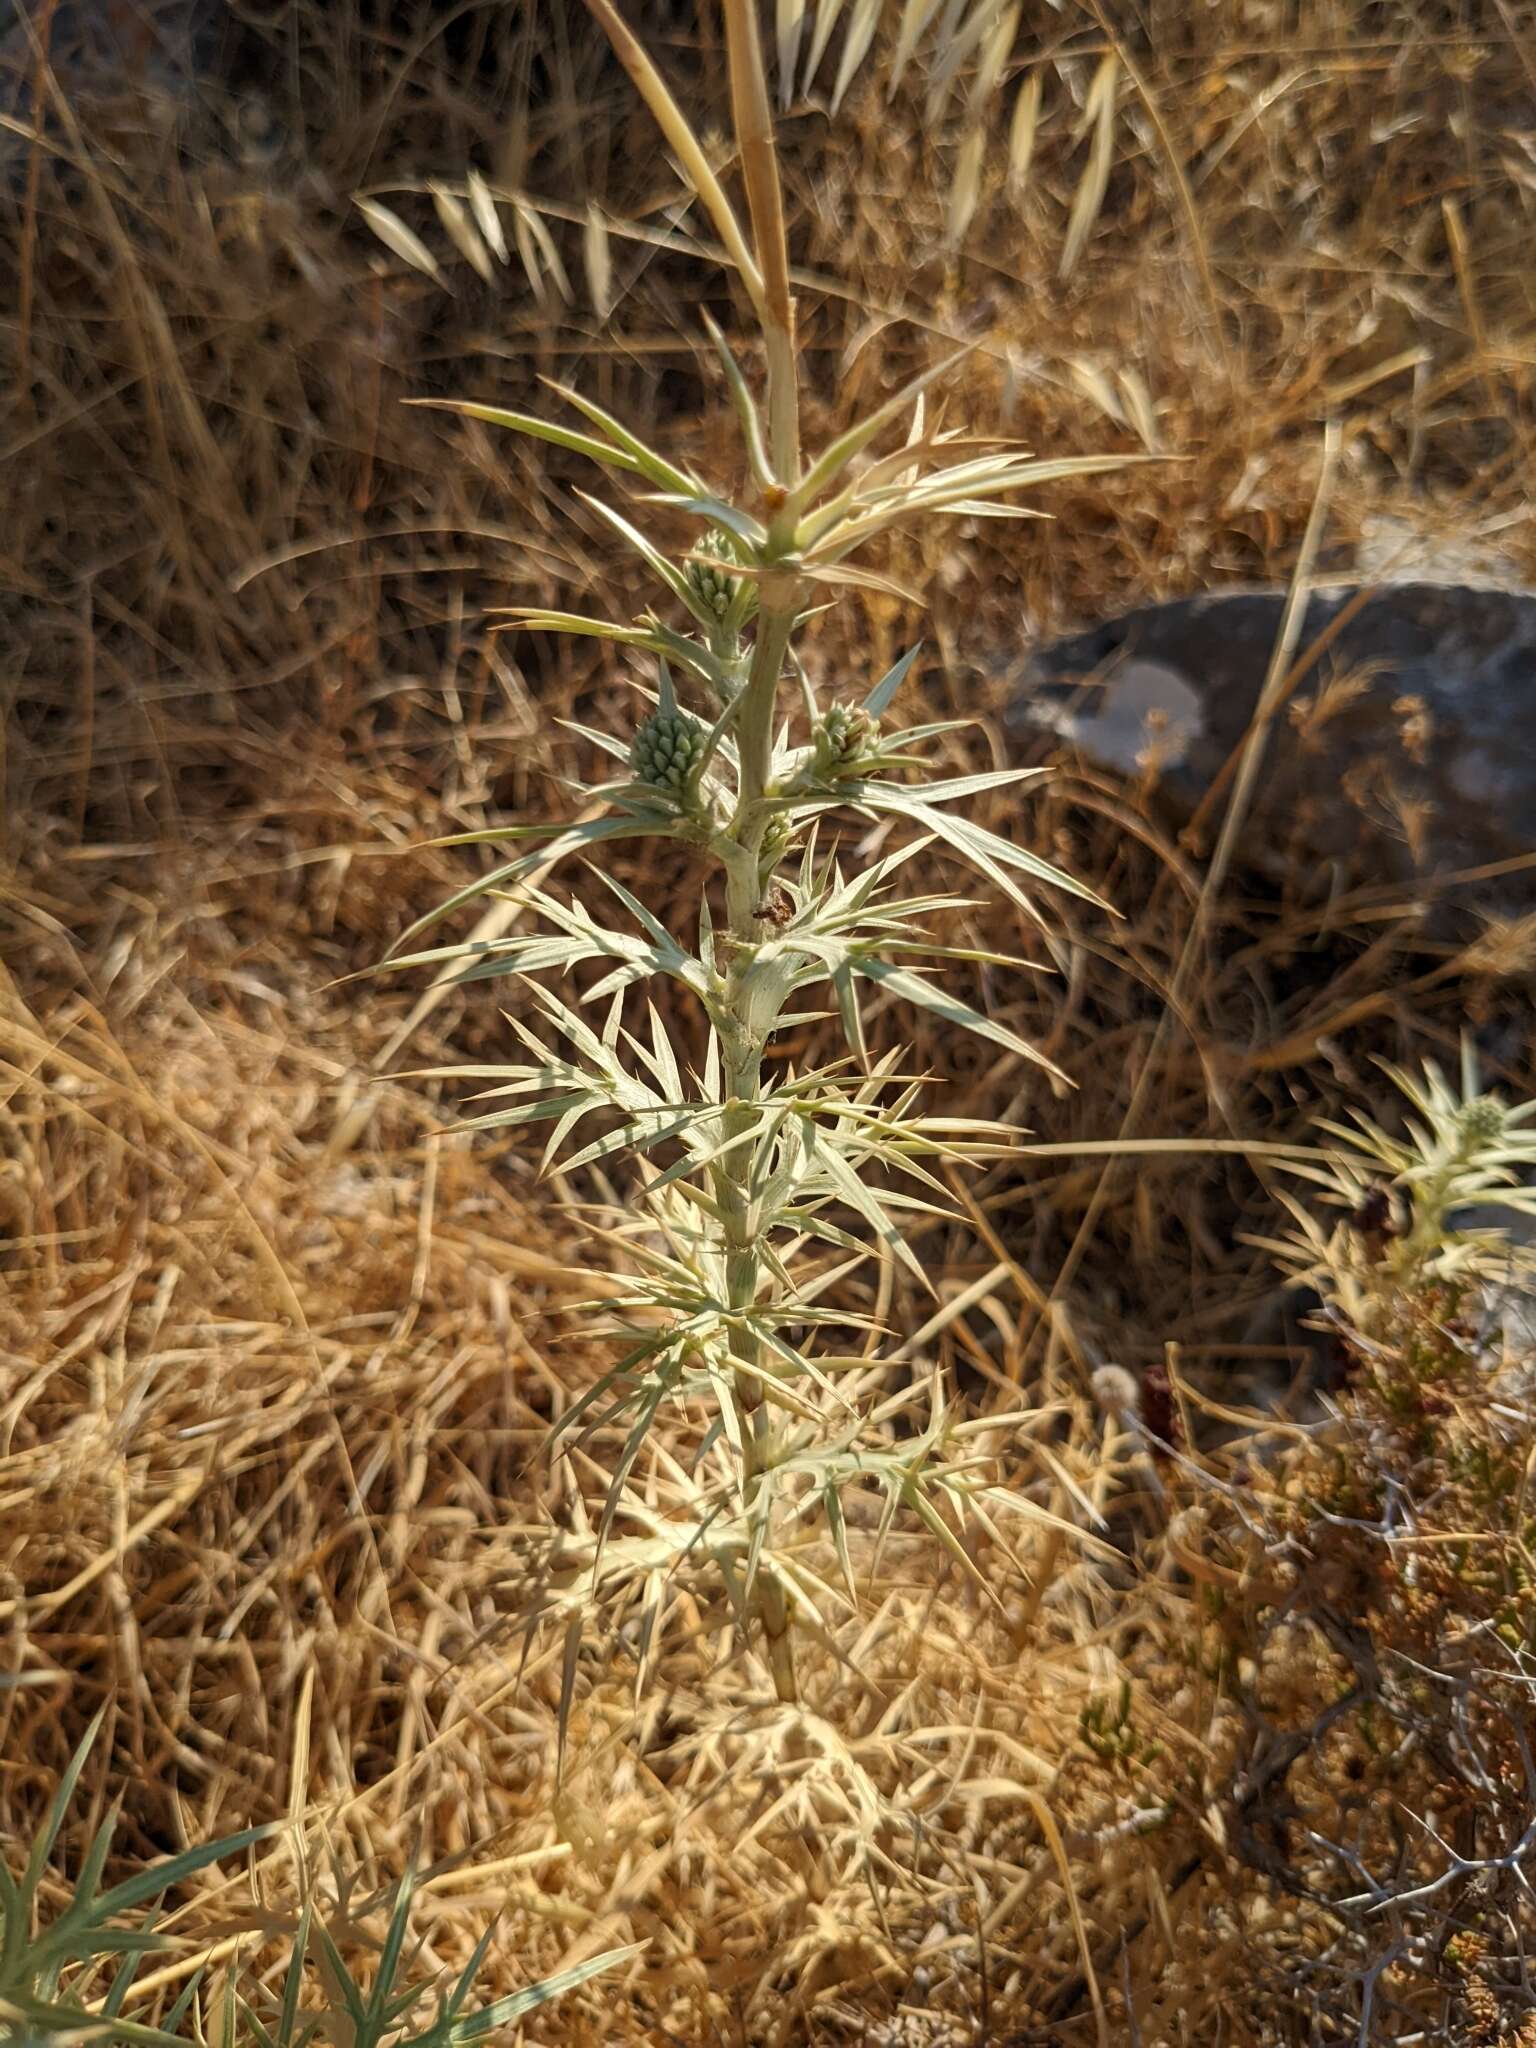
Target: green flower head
{"points": [[1481, 1122], [668, 752], [715, 588]]}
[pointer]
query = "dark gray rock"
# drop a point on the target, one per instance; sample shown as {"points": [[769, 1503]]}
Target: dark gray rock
{"points": [[179, 70], [108, 44], [1405, 756]]}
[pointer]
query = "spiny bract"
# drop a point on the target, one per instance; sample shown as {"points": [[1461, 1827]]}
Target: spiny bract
{"points": [[776, 840], [844, 736]]}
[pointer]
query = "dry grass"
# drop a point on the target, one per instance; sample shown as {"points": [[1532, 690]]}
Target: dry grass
{"points": [[278, 1350]]}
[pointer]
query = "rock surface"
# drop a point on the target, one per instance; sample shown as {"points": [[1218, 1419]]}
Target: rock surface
{"points": [[108, 44], [1406, 755]]}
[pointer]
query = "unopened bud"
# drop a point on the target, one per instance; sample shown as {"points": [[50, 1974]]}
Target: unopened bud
{"points": [[714, 586], [667, 752], [843, 739]]}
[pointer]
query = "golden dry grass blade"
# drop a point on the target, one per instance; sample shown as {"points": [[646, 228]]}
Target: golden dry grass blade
{"points": [[995, 53], [1023, 131], [1279, 667], [540, 257], [915, 17], [966, 191], [1099, 113], [828, 14], [789, 27], [482, 204], [753, 118], [862, 23], [1174, 164], [1091, 380], [599, 263], [961, 35], [113, 1559], [685, 144], [1139, 407], [1052, 1833]]}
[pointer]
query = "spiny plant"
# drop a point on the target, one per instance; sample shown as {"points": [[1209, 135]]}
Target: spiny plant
{"points": [[1372, 1597], [394, 2006], [748, 1173], [42, 1962], [48, 1965], [1430, 1208]]}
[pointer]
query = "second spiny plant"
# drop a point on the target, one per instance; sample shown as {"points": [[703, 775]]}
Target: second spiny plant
{"points": [[758, 1187]]}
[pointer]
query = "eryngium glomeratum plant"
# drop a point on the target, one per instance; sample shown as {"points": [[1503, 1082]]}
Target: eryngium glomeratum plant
{"points": [[1441, 1207], [749, 1176], [51, 1958]]}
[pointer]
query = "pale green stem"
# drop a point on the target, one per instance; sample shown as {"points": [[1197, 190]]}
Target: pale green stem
{"points": [[765, 275], [742, 1048], [669, 119], [753, 117], [754, 740], [779, 601]]}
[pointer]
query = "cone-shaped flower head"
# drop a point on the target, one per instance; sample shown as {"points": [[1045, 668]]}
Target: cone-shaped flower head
{"points": [[667, 751], [719, 592]]}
